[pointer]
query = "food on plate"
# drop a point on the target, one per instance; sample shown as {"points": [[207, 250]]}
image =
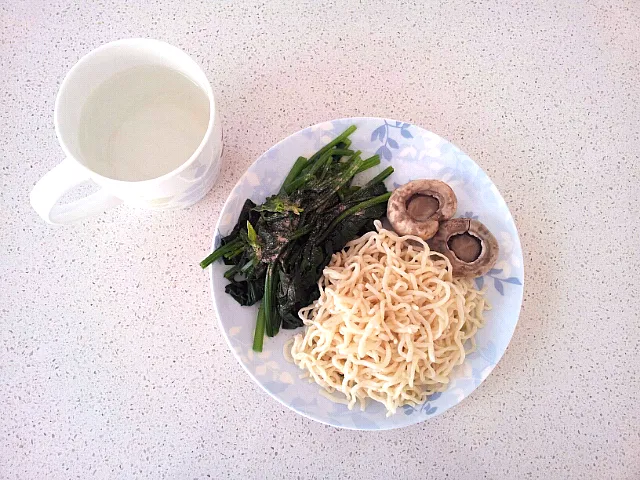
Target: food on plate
{"points": [[418, 207], [468, 244], [425, 208], [390, 324], [278, 249], [388, 315]]}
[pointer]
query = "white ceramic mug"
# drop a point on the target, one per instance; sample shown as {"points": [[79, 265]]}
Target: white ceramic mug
{"points": [[179, 188]]}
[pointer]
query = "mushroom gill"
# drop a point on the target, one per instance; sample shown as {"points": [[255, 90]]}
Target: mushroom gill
{"points": [[468, 244]]}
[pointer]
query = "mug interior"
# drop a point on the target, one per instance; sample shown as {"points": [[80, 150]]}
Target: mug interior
{"points": [[107, 61]]}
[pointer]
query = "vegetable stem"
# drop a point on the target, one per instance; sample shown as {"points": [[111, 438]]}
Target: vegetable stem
{"points": [[380, 177], [355, 209], [270, 314], [346, 143], [343, 178], [294, 172], [369, 163], [305, 177], [258, 335], [229, 274], [341, 152], [300, 232], [340, 138], [247, 266], [219, 252]]}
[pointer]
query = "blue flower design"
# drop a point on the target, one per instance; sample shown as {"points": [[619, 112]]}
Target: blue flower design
{"points": [[461, 168], [382, 133], [498, 282], [408, 409], [425, 408]]}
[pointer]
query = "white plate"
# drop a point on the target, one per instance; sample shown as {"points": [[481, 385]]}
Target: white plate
{"points": [[414, 153]]}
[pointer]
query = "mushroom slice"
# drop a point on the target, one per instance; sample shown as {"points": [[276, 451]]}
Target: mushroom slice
{"points": [[468, 244], [417, 207]]}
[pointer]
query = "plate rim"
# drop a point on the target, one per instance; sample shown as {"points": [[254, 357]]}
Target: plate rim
{"points": [[245, 367]]}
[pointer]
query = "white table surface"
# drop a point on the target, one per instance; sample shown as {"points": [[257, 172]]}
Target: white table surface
{"points": [[111, 361]]}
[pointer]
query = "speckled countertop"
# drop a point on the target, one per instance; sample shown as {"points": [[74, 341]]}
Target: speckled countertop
{"points": [[111, 361]]}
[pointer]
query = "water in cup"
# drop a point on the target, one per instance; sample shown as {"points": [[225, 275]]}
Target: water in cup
{"points": [[142, 123]]}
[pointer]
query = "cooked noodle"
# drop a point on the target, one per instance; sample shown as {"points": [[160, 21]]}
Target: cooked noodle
{"points": [[390, 324]]}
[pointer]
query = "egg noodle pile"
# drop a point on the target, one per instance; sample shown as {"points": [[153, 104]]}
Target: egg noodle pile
{"points": [[391, 323]]}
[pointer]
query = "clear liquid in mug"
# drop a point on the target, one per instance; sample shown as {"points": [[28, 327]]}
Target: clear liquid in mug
{"points": [[142, 123]]}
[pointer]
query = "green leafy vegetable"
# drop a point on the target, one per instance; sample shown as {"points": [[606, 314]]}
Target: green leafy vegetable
{"points": [[278, 250], [278, 205], [258, 337]]}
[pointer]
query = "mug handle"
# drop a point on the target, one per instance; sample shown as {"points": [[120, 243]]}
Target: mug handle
{"points": [[58, 181]]}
